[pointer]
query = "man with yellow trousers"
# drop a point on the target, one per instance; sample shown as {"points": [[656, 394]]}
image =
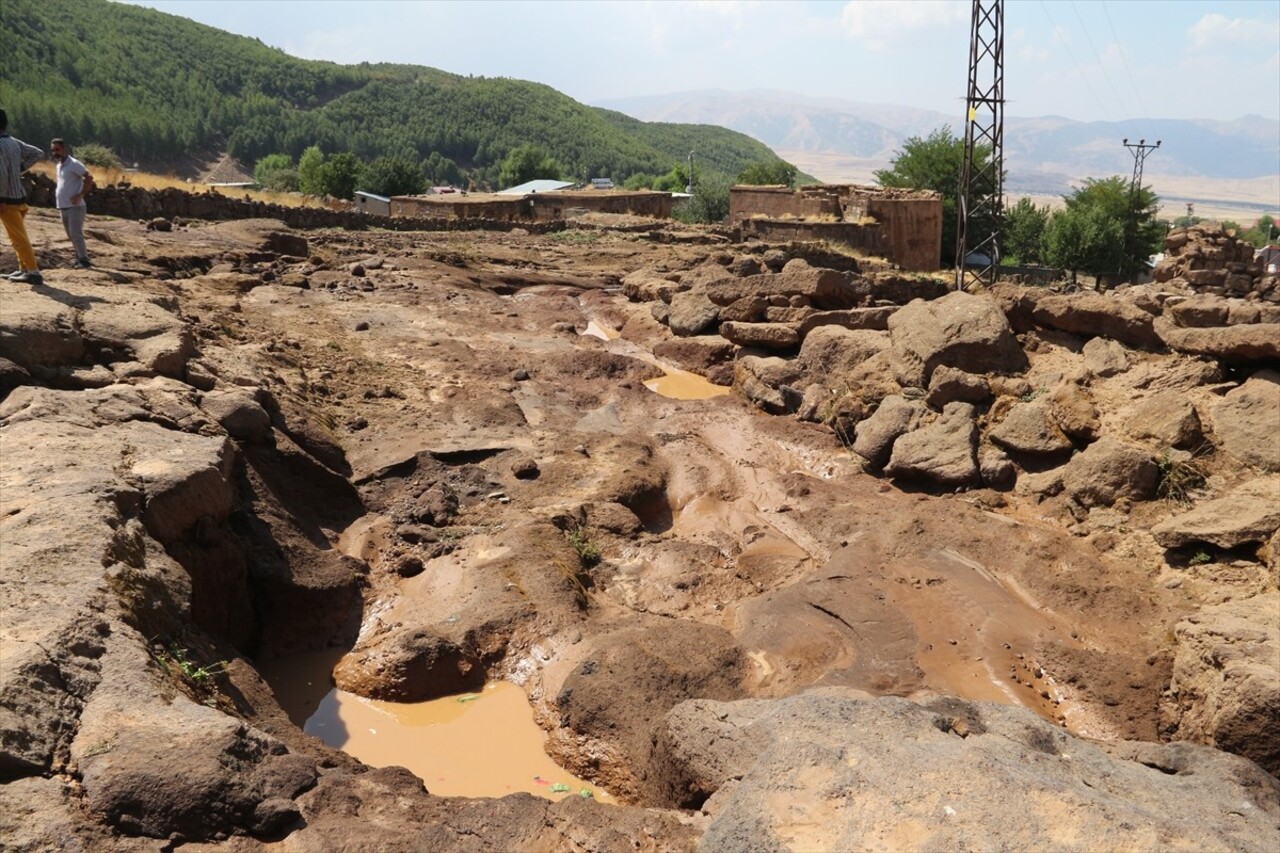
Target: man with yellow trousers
{"points": [[16, 157]]}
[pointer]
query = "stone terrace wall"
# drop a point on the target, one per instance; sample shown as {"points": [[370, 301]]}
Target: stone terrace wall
{"points": [[138, 203]]}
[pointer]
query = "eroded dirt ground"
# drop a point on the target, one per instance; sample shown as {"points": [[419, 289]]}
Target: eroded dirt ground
{"points": [[471, 478]]}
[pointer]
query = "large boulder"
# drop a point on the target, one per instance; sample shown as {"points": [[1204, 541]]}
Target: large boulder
{"points": [[1091, 314], [1245, 344], [409, 666], [833, 770], [1103, 357], [958, 330], [1248, 514], [1167, 417], [1029, 429], [822, 288], [943, 453], [1109, 470], [1225, 690], [775, 336], [692, 313], [895, 417], [1246, 421], [616, 697], [829, 352]]}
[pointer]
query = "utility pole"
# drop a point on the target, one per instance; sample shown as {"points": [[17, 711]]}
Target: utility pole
{"points": [[689, 188], [1191, 209], [981, 198], [1140, 150]]}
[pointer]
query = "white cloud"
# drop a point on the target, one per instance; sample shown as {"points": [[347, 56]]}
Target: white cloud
{"points": [[1217, 30], [882, 23]]}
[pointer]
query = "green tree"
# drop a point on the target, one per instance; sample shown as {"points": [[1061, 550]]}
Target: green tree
{"points": [[338, 175], [934, 163], [1022, 237], [95, 154], [639, 181], [1102, 231], [392, 176], [768, 173], [1263, 233], [527, 162], [309, 166], [674, 181], [710, 201], [276, 172]]}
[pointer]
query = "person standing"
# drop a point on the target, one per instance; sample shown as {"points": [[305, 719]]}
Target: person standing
{"points": [[74, 182], [16, 157]]}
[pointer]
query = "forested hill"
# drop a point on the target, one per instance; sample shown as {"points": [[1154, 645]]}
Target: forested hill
{"points": [[158, 87]]}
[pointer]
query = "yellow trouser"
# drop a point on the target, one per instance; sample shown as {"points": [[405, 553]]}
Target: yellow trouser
{"points": [[14, 218]]}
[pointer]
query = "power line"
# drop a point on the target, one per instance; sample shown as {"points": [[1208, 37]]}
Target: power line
{"points": [[1127, 70], [1101, 67], [1072, 57]]}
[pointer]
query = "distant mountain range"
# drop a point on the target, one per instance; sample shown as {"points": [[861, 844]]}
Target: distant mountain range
{"points": [[1043, 155]]}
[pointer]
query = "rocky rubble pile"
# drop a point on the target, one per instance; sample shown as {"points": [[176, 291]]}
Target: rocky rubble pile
{"points": [[1207, 259], [1089, 403], [258, 443]]}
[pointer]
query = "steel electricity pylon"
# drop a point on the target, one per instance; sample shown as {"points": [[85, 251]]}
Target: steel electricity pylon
{"points": [[981, 197], [1140, 150]]}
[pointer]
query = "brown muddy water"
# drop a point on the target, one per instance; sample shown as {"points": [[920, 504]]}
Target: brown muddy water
{"points": [[676, 384], [482, 744]]}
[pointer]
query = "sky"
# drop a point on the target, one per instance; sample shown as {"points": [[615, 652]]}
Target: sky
{"points": [[1088, 60]]}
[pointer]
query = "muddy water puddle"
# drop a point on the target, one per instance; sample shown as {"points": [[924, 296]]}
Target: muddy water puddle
{"points": [[683, 385], [482, 744], [978, 634], [675, 384]]}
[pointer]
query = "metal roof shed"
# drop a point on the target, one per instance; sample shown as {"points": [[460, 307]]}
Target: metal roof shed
{"points": [[543, 186]]}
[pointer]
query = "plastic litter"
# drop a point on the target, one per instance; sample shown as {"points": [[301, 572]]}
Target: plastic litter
{"points": [[468, 698], [586, 794], [559, 788]]}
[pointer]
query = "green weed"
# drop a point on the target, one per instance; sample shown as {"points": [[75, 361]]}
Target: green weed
{"points": [[1178, 478], [175, 658], [588, 552], [1200, 558]]}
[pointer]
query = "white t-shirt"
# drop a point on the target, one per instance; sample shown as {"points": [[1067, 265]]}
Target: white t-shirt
{"points": [[71, 175]]}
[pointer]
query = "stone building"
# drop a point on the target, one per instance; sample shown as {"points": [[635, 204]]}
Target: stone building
{"points": [[904, 226]]}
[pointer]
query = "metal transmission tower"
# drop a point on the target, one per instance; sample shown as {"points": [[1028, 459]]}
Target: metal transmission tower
{"points": [[1140, 150], [981, 202]]}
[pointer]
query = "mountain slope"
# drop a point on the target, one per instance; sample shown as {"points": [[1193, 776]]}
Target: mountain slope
{"points": [[122, 75], [1040, 152]]}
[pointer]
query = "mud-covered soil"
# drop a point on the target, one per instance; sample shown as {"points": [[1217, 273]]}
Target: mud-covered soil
{"points": [[463, 474]]}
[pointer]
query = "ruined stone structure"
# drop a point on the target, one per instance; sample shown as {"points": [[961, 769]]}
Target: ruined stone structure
{"points": [[1208, 259], [902, 225], [537, 207]]}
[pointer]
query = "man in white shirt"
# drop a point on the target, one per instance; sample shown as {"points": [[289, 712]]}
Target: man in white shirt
{"points": [[74, 182]]}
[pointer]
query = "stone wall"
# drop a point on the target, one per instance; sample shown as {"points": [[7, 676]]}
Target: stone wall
{"points": [[871, 238], [780, 202], [1208, 259], [538, 207], [911, 219], [138, 203]]}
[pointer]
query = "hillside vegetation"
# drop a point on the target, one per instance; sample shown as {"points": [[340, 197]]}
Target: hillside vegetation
{"points": [[91, 70]]}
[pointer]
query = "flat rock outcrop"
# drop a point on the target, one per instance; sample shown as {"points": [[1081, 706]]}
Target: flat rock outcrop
{"points": [[1225, 690], [829, 770], [1249, 513], [1246, 421]]}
